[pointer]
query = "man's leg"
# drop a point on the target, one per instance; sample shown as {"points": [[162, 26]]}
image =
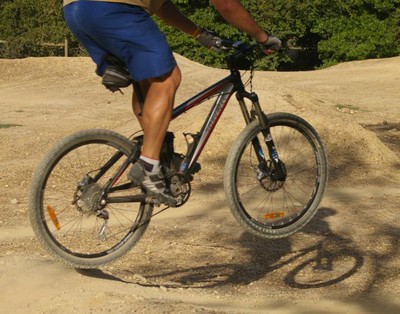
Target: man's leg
{"points": [[156, 113], [154, 118]]}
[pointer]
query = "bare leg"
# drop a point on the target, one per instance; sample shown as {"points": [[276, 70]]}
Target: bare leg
{"points": [[156, 114], [137, 109]]}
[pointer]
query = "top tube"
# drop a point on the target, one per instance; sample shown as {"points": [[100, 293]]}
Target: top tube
{"points": [[202, 96], [234, 60]]}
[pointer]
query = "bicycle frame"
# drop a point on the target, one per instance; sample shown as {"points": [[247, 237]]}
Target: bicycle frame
{"points": [[87, 210], [223, 90]]}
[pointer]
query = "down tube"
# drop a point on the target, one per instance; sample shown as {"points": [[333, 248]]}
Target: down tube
{"points": [[216, 111]]}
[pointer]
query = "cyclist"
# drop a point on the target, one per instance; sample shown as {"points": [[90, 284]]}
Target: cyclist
{"points": [[125, 30]]}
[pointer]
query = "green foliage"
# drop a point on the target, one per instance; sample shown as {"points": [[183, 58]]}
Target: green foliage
{"points": [[358, 29], [28, 25], [205, 16], [346, 42], [324, 32], [8, 125]]}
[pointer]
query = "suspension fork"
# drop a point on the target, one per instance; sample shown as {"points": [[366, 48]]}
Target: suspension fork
{"points": [[257, 112]]}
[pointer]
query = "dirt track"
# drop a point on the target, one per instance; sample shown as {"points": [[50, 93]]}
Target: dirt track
{"points": [[196, 258]]}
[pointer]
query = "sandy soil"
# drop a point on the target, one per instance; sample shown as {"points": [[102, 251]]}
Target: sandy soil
{"points": [[196, 258]]}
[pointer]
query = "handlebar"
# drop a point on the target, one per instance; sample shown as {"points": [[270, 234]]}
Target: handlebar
{"points": [[226, 44], [241, 56]]}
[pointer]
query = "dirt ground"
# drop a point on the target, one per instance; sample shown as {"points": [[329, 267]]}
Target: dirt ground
{"points": [[197, 258]]}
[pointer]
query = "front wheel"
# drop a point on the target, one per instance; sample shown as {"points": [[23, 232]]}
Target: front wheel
{"points": [[264, 203], [65, 206]]}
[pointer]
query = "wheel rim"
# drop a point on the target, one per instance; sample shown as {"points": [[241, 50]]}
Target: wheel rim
{"points": [[75, 229], [274, 204]]}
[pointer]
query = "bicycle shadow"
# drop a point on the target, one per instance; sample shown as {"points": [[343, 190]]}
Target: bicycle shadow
{"points": [[329, 260]]}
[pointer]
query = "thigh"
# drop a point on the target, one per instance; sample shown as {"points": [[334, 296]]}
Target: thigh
{"points": [[127, 32], [137, 40], [73, 16]]}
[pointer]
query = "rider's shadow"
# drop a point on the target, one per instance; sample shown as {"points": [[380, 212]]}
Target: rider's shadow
{"points": [[262, 255], [311, 264]]}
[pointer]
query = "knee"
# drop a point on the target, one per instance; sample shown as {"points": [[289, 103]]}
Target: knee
{"points": [[176, 77], [167, 83], [172, 80]]}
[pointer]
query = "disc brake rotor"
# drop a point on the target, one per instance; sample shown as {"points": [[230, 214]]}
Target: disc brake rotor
{"points": [[86, 200]]}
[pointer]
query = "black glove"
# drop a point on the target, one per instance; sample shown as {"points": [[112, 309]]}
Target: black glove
{"points": [[271, 45], [209, 40]]}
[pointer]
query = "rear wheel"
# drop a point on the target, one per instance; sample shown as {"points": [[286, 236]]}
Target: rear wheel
{"points": [[267, 206], [65, 196]]}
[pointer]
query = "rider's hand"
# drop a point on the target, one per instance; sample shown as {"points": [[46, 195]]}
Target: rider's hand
{"points": [[209, 40], [271, 45]]}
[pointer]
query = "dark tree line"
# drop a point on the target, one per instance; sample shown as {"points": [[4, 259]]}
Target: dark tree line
{"points": [[322, 32]]}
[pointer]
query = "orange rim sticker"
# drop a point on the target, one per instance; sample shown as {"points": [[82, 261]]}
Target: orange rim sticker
{"points": [[274, 215], [53, 216]]}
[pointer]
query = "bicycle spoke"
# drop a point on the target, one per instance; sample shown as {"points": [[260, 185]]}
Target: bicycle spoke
{"points": [[285, 202], [264, 201], [70, 199]]}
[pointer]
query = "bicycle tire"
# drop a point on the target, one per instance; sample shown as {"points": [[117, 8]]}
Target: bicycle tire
{"points": [[276, 209], [72, 232]]}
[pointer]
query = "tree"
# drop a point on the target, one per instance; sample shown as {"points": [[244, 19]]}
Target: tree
{"points": [[325, 32], [332, 31], [358, 29], [27, 25]]}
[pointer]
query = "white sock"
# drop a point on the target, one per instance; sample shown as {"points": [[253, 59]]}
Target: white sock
{"points": [[150, 165]]}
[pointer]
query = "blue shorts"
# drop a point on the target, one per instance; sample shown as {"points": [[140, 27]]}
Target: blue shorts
{"points": [[125, 31]]}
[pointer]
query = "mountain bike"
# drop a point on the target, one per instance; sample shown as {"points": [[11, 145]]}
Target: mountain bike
{"points": [[86, 212]]}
